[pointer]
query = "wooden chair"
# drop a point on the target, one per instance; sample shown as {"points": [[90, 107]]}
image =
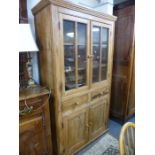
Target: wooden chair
{"points": [[127, 139]]}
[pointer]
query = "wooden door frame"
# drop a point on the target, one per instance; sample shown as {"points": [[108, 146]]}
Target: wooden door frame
{"points": [[105, 82], [80, 20]]}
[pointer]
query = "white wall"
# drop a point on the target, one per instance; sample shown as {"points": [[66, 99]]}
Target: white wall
{"points": [[105, 6], [87, 3]]}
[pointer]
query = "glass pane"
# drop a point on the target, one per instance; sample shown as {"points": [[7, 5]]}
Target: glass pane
{"points": [[104, 53], [69, 54], [69, 32], [82, 33], [96, 53], [69, 60], [96, 35], [81, 65]]}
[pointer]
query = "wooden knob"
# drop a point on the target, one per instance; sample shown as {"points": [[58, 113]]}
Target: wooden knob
{"points": [[90, 56], [101, 93], [87, 125], [90, 123], [77, 103]]}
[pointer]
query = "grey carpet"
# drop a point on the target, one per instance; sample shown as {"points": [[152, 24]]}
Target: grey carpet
{"points": [[105, 145]]}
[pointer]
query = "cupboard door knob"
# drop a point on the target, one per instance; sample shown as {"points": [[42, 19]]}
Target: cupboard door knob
{"points": [[90, 123], [87, 125], [90, 56]]}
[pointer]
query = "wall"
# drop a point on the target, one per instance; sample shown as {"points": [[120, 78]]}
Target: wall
{"points": [[30, 5], [119, 1], [87, 3], [105, 6]]}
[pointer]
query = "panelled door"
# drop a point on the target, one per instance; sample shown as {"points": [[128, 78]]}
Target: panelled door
{"points": [[75, 50], [75, 130], [32, 137], [101, 53], [98, 116]]}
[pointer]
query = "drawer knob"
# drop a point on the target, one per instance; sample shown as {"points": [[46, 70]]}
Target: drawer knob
{"points": [[101, 93], [77, 103]]}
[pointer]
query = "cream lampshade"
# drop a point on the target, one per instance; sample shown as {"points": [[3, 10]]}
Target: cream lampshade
{"points": [[26, 40], [27, 44]]}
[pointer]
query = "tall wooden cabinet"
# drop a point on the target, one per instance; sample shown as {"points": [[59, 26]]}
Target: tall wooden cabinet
{"points": [[76, 51], [123, 87]]}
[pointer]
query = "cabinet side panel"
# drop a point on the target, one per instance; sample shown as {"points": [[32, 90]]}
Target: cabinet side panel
{"points": [[131, 102], [43, 33], [57, 73], [123, 62]]}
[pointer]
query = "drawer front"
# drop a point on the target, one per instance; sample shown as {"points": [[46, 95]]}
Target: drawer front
{"points": [[29, 106], [99, 92], [74, 102]]}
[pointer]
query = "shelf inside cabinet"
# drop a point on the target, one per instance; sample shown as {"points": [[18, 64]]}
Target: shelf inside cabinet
{"points": [[68, 44]]}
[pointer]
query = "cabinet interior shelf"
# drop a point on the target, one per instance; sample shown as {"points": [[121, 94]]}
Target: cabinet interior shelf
{"points": [[72, 44], [79, 69]]}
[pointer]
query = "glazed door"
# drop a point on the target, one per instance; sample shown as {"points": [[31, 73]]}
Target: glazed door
{"points": [[32, 137], [98, 116], [74, 35], [75, 130], [101, 53]]}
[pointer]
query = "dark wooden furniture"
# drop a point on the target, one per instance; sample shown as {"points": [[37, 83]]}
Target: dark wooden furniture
{"points": [[23, 58], [123, 81], [34, 122], [76, 51], [23, 17]]}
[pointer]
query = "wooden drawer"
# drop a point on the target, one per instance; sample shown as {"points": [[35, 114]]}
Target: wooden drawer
{"points": [[31, 105], [74, 102], [99, 92]]}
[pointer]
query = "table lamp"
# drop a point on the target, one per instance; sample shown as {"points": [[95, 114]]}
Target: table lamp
{"points": [[27, 44]]}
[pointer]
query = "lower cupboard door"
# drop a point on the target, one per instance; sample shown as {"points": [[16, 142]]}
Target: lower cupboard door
{"points": [[32, 137], [98, 116], [75, 130]]}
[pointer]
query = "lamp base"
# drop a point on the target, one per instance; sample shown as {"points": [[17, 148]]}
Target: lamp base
{"points": [[31, 83]]}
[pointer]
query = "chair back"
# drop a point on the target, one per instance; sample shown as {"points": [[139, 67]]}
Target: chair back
{"points": [[127, 139]]}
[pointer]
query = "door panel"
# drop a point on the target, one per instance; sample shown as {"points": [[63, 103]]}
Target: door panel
{"points": [[32, 137], [101, 52], [104, 53], [98, 116], [76, 130], [75, 48], [96, 53]]}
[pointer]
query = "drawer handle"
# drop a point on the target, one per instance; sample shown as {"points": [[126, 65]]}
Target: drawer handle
{"points": [[26, 110], [98, 95]]}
